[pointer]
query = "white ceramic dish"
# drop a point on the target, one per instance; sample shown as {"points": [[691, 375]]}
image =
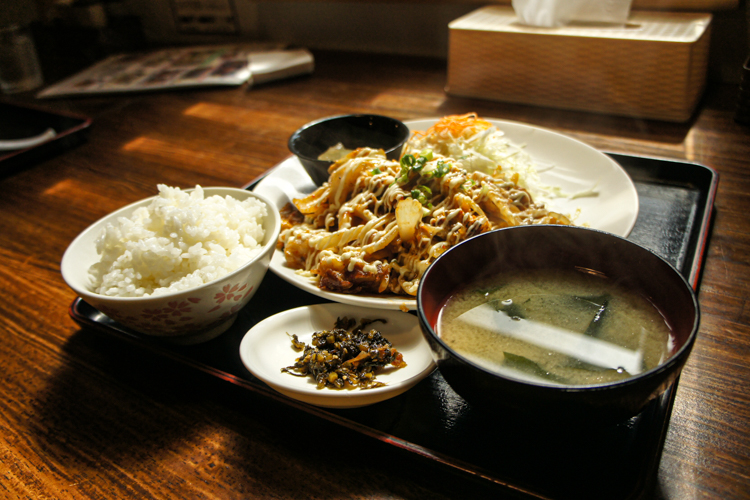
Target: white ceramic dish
{"points": [[267, 348], [562, 161]]}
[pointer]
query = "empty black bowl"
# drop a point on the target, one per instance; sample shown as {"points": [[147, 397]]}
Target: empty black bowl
{"points": [[559, 247], [353, 131]]}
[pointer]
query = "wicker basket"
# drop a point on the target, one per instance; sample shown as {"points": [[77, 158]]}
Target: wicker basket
{"points": [[654, 67]]}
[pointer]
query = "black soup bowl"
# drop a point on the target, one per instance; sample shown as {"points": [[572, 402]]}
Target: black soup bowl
{"points": [[353, 131], [552, 248]]}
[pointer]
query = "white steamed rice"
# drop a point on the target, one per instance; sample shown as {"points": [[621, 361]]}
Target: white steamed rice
{"points": [[181, 240]]}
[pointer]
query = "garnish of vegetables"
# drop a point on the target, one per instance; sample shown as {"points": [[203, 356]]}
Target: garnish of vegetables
{"points": [[346, 356]]}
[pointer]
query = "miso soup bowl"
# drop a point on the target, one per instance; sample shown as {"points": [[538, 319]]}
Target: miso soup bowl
{"points": [[559, 248], [186, 317], [353, 131]]}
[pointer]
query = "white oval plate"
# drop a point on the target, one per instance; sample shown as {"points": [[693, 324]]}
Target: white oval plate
{"points": [[561, 160], [267, 348]]}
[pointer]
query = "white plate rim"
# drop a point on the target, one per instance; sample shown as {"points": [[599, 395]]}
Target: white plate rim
{"points": [[274, 331], [291, 171]]}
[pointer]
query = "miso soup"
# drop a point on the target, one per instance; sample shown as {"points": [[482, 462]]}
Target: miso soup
{"points": [[557, 327]]}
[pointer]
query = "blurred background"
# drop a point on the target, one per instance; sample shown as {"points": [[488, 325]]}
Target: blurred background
{"points": [[72, 34]]}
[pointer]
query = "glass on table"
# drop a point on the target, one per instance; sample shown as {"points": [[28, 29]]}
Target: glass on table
{"points": [[19, 64]]}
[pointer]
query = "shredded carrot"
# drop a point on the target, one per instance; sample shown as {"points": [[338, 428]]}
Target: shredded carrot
{"points": [[456, 125]]}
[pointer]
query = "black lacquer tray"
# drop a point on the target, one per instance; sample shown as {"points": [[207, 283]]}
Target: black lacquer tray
{"points": [[543, 459], [25, 121]]}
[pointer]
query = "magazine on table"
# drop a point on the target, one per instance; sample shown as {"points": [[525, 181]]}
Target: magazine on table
{"points": [[197, 66]]}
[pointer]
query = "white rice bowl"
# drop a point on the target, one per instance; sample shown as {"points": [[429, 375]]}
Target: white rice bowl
{"points": [[181, 240], [178, 266]]}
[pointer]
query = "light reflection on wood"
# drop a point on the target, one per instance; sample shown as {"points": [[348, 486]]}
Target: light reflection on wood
{"points": [[155, 148], [246, 118]]}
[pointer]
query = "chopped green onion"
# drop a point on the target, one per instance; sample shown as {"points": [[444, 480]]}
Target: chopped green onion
{"points": [[410, 164], [422, 194], [441, 169], [467, 185]]}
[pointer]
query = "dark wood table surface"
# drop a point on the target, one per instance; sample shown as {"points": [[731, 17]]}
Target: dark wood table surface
{"points": [[87, 415]]}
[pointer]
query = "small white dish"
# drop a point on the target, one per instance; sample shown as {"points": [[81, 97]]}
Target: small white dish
{"points": [[267, 348]]}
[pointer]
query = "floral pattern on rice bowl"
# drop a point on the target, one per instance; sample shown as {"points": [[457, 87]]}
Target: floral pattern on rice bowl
{"points": [[230, 293], [178, 314]]}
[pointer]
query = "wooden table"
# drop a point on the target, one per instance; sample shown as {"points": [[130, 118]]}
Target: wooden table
{"points": [[85, 415]]}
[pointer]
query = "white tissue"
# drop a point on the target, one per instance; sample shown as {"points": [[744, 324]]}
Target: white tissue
{"points": [[554, 13]]}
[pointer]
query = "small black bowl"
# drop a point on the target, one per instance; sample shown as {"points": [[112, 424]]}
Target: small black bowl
{"points": [[559, 247], [353, 131]]}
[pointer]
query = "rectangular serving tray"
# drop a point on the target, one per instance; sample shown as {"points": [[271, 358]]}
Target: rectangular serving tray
{"points": [[23, 121], [505, 452]]}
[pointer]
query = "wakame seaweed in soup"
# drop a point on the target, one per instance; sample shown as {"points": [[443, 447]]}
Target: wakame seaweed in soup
{"points": [[557, 327]]}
